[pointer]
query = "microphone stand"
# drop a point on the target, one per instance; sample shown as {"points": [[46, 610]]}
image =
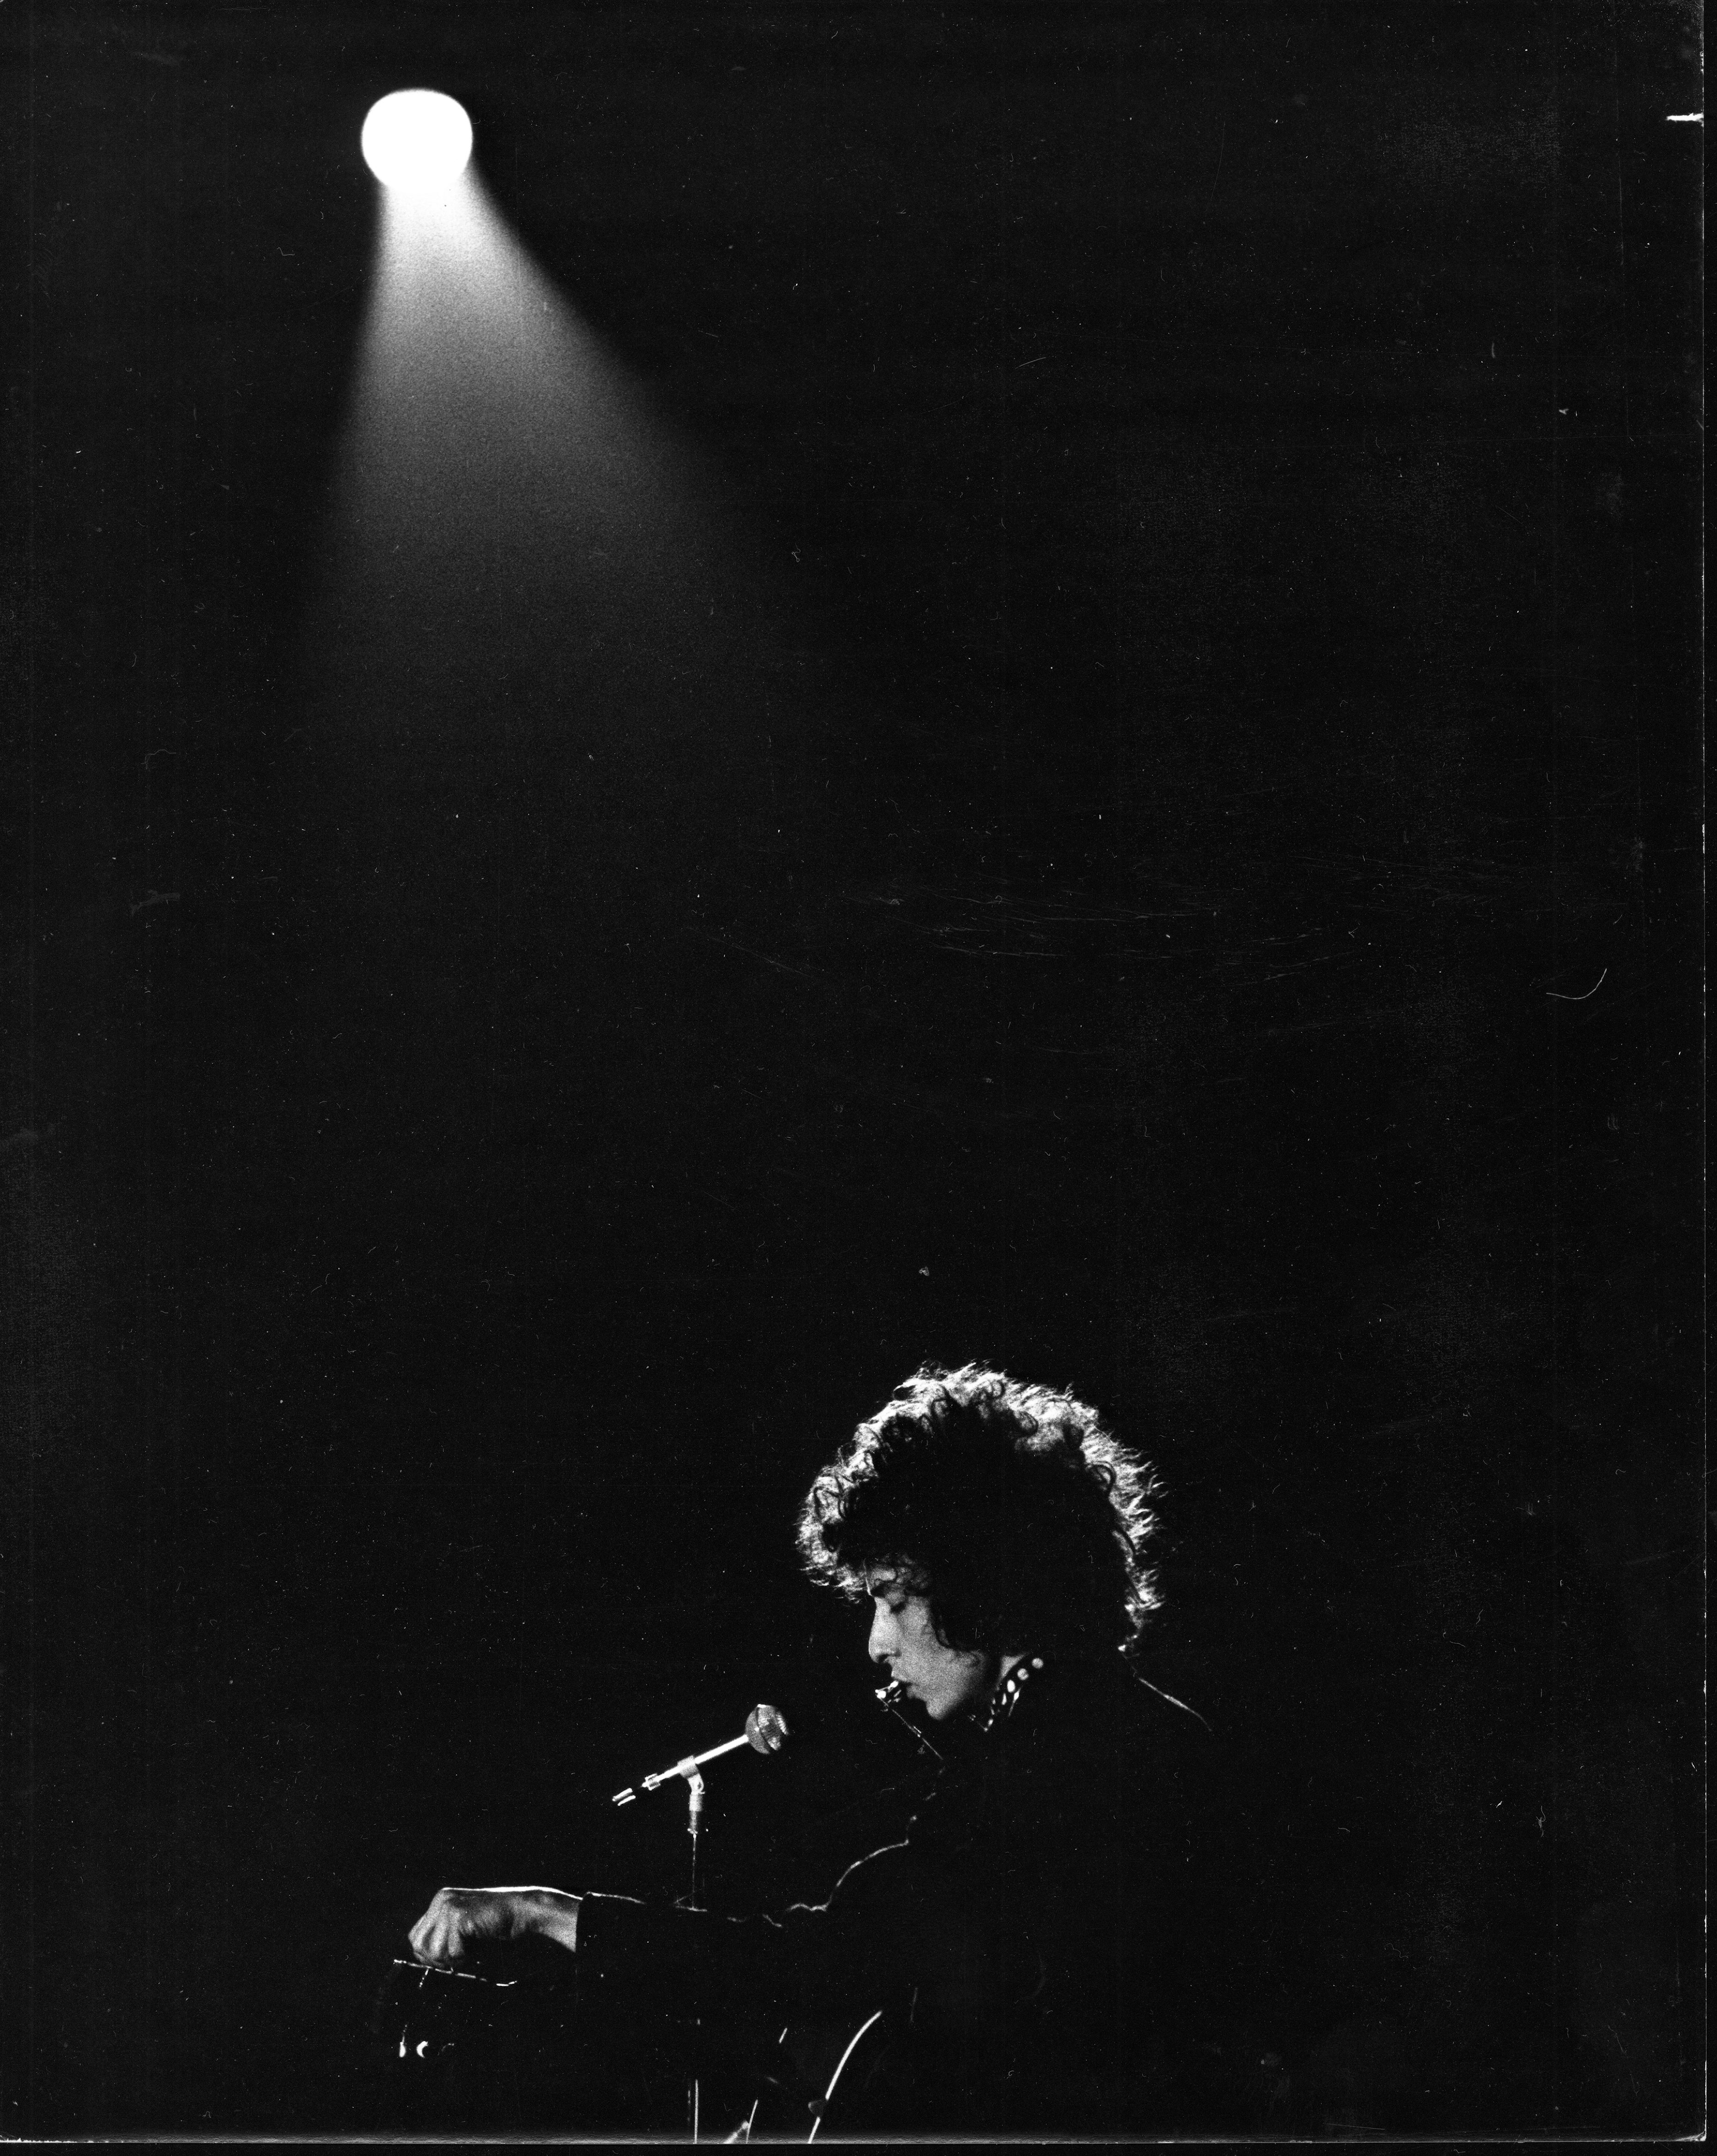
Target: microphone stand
{"points": [[765, 1730], [694, 1797]]}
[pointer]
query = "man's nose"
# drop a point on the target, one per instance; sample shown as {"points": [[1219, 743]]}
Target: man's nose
{"points": [[878, 1646]]}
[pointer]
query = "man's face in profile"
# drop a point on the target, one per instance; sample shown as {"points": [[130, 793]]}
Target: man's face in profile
{"points": [[944, 1679]]}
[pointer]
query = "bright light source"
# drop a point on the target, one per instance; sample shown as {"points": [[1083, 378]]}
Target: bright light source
{"points": [[417, 140]]}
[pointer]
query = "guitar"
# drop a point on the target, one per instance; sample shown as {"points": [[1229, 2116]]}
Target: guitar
{"points": [[823, 2077], [428, 2013], [509, 2048], [464, 2047]]}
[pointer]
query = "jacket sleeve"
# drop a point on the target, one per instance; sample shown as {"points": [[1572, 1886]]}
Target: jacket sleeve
{"points": [[890, 1924]]}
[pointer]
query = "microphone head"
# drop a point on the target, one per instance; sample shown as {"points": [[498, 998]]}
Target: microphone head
{"points": [[766, 1728]]}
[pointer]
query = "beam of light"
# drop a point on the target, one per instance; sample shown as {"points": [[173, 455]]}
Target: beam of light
{"points": [[551, 711], [417, 140], [507, 502]]}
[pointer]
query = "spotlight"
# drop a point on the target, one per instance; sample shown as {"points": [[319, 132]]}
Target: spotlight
{"points": [[417, 140]]}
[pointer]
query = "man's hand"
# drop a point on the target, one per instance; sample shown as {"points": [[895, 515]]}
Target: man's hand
{"points": [[462, 1918]]}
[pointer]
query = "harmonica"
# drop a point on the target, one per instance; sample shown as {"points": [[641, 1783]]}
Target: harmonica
{"points": [[889, 1698]]}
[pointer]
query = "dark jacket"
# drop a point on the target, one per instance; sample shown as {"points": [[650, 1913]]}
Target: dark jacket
{"points": [[1036, 1939]]}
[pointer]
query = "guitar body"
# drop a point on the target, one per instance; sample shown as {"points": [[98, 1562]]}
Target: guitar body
{"points": [[843, 2078], [475, 2050], [481, 2051]]}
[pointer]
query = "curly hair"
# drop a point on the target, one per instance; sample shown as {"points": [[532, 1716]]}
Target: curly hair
{"points": [[1008, 1506]]}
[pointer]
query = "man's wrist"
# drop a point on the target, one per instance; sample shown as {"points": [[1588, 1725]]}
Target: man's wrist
{"points": [[551, 1915]]}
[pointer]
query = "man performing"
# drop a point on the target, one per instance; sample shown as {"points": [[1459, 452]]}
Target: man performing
{"points": [[1036, 1944]]}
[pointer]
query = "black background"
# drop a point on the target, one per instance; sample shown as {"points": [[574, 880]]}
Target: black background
{"points": [[1198, 684]]}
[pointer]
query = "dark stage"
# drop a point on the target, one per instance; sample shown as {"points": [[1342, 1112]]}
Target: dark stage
{"points": [[1016, 682]]}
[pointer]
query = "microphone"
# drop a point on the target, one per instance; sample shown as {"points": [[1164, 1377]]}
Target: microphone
{"points": [[766, 1731]]}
